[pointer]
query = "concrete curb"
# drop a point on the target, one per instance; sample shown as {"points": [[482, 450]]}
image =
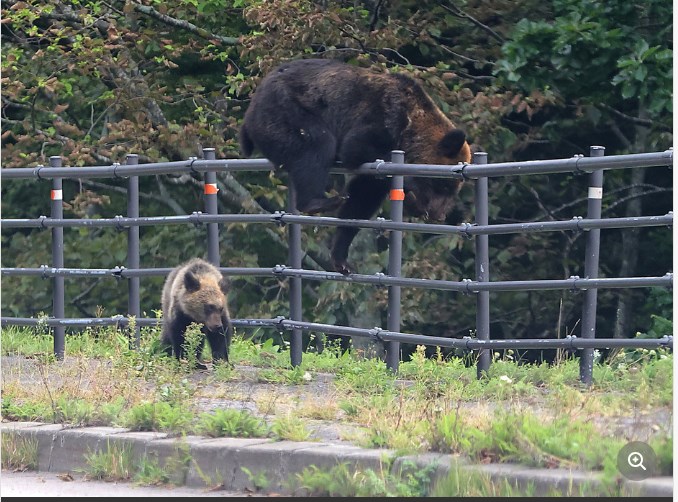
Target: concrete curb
{"points": [[208, 462]]}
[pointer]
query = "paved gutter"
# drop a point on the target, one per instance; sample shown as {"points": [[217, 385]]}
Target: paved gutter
{"points": [[220, 461]]}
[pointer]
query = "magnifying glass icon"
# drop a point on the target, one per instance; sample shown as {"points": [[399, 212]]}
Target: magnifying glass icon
{"points": [[635, 459]]}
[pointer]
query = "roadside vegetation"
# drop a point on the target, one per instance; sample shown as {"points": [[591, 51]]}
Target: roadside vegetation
{"points": [[535, 415]]}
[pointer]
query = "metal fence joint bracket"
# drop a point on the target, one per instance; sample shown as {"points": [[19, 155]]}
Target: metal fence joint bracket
{"points": [[116, 165], [195, 219], [190, 165], [279, 323], [278, 218], [117, 272], [578, 219], [572, 339], [380, 229], [119, 226], [379, 163], [375, 334], [467, 283], [464, 176], [465, 232], [577, 169]]}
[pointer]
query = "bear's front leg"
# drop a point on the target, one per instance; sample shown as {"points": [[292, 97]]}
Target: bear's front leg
{"points": [[219, 344]]}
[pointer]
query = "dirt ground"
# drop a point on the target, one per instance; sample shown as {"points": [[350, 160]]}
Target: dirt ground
{"points": [[309, 399]]}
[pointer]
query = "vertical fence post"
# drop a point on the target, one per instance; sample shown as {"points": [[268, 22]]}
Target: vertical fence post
{"points": [[133, 259], [482, 266], [395, 257], [294, 258], [594, 210], [58, 301], [211, 207]]}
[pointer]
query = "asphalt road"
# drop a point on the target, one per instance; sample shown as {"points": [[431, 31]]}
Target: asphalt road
{"points": [[49, 484]]}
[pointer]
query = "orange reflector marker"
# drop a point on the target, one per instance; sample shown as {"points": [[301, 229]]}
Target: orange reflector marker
{"points": [[398, 194], [57, 195], [211, 188]]}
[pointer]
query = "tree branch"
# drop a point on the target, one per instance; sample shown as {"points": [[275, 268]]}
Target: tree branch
{"points": [[635, 120], [453, 9], [375, 15], [184, 25]]}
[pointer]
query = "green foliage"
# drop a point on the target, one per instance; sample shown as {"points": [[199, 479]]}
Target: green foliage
{"points": [[18, 452], [463, 483], [633, 76], [663, 448], [343, 481], [193, 337], [231, 423], [150, 472], [527, 439], [290, 427], [661, 301], [601, 55], [114, 464], [13, 409], [290, 376], [259, 480], [266, 354], [73, 411], [371, 376], [160, 416]]}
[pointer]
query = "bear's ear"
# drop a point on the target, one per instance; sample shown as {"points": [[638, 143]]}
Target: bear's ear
{"points": [[225, 284], [452, 143], [191, 282]]}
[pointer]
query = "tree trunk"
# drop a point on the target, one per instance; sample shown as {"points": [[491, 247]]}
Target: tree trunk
{"points": [[364, 245], [629, 259], [631, 240]]}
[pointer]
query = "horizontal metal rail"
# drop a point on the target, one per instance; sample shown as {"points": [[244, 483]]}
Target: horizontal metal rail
{"points": [[574, 283], [121, 272], [466, 171], [577, 223], [376, 334]]}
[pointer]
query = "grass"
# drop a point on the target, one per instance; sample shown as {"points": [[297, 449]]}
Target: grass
{"points": [[537, 415], [342, 481], [116, 463], [18, 453]]}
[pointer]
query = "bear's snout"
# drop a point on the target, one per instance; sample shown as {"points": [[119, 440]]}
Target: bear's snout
{"points": [[213, 323]]}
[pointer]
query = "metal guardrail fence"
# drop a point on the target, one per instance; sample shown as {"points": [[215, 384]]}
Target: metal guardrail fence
{"points": [[391, 337]]}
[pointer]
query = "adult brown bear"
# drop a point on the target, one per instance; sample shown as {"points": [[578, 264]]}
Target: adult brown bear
{"points": [[308, 114]]}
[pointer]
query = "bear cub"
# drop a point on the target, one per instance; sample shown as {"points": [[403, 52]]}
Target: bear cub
{"points": [[307, 114], [195, 292]]}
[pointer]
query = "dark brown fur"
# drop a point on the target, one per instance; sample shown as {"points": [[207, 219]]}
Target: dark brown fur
{"points": [[196, 292], [307, 114]]}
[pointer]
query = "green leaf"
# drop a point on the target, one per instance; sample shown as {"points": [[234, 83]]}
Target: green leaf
{"points": [[641, 73], [628, 89]]}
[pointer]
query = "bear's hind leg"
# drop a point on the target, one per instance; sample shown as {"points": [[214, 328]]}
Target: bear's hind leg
{"points": [[365, 196], [309, 169]]}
